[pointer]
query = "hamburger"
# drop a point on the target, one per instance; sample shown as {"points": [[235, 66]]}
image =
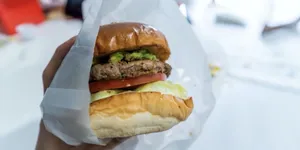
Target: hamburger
{"points": [[129, 91]]}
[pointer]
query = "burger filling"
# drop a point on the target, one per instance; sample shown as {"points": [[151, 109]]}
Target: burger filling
{"points": [[132, 69], [121, 65], [138, 71], [142, 54], [165, 87]]}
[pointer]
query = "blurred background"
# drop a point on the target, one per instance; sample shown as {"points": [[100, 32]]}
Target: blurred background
{"points": [[253, 53]]}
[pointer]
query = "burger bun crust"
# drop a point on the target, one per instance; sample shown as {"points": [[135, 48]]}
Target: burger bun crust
{"points": [[134, 113], [128, 36]]}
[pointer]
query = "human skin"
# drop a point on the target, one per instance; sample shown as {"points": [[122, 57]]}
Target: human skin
{"points": [[46, 140]]}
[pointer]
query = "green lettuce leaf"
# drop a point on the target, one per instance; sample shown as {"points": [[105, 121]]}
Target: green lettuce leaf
{"points": [[165, 87], [104, 94]]}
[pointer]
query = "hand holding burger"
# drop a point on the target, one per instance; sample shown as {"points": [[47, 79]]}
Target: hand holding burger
{"points": [[129, 92], [46, 140]]}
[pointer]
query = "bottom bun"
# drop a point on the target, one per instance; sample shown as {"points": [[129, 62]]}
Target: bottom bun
{"points": [[134, 113]]}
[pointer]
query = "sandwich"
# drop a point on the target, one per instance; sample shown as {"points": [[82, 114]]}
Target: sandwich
{"points": [[130, 94]]}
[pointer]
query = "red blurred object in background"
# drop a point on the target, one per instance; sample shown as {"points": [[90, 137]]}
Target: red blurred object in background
{"points": [[15, 12]]}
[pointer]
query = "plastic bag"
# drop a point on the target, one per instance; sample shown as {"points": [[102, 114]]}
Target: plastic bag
{"points": [[66, 102]]}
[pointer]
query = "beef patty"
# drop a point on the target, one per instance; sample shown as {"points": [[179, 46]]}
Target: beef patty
{"points": [[132, 69]]}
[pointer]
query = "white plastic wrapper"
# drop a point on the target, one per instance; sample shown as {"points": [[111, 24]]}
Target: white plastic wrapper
{"points": [[65, 105]]}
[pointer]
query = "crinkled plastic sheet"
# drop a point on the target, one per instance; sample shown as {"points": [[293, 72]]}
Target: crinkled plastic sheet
{"points": [[66, 102]]}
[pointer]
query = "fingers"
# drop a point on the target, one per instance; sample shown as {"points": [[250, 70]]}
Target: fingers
{"points": [[61, 52], [48, 141], [55, 61], [114, 142]]}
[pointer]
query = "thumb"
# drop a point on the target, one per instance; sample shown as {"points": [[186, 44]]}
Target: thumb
{"points": [[55, 61]]}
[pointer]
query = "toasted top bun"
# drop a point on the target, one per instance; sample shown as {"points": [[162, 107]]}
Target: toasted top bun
{"points": [[134, 113], [129, 36]]}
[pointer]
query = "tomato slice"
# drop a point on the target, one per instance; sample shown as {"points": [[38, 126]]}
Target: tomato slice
{"points": [[122, 83]]}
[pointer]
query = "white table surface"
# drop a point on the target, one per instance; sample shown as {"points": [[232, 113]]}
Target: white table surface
{"points": [[250, 116], [259, 112], [21, 88]]}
